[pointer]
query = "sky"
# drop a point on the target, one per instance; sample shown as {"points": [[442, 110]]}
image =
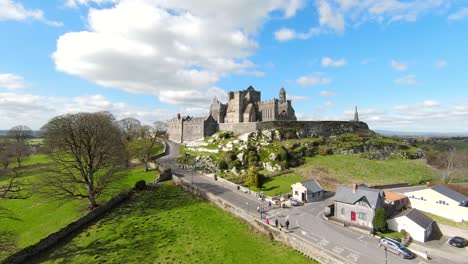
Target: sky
{"points": [[403, 63]]}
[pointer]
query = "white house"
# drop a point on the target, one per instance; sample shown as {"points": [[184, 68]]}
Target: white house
{"points": [[417, 224], [307, 191], [441, 201]]}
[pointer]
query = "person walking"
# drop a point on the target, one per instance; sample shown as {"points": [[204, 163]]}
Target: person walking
{"points": [[287, 224], [276, 222]]}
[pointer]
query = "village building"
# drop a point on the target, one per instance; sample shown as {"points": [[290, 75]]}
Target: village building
{"points": [[307, 191], [413, 221]]}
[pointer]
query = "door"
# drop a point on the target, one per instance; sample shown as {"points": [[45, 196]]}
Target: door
{"points": [[353, 216], [303, 197]]}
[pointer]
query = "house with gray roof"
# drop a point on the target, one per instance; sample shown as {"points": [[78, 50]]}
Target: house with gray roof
{"points": [[357, 205], [413, 221], [442, 201], [307, 191]]}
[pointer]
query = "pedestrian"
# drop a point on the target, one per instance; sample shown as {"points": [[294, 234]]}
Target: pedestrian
{"points": [[258, 209], [269, 203], [287, 224], [267, 221], [276, 222]]}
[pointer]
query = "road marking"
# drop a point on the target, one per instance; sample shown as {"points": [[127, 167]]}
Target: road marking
{"points": [[338, 250], [304, 233], [361, 237], [323, 243], [352, 251], [353, 256]]}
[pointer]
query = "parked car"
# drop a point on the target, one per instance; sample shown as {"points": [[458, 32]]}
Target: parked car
{"points": [[457, 241], [396, 248], [294, 202]]}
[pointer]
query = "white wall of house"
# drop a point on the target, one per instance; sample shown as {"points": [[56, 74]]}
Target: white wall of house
{"points": [[429, 201], [363, 213], [416, 232], [298, 190]]}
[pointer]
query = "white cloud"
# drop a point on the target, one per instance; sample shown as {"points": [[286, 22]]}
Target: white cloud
{"points": [[440, 63], [327, 94], [399, 65], [11, 10], [298, 98], [328, 62], [337, 15], [329, 16], [76, 3], [286, 34], [459, 15], [167, 48], [306, 81], [35, 111], [11, 81], [430, 103], [328, 104], [408, 80]]}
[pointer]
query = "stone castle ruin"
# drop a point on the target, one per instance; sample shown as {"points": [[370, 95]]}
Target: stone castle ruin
{"points": [[245, 112]]}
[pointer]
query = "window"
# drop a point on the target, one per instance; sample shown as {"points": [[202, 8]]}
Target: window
{"points": [[296, 193], [362, 216], [343, 211]]}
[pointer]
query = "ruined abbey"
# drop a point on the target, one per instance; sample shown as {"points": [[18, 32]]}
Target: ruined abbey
{"points": [[246, 112]]}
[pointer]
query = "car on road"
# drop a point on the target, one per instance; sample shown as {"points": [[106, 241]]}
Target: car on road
{"points": [[396, 248], [457, 241], [294, 202]]}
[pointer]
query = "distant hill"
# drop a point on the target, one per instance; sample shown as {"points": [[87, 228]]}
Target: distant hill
{"points": [[421, 134], [36, 133]]}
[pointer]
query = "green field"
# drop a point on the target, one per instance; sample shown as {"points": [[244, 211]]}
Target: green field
{"points": [[332, 170], [275, 185], [25, 222], [168, 225]]}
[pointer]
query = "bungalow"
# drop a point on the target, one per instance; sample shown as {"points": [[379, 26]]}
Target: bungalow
{"points": [[441, 201], [307, 191], [357, 205], [417, 224]]}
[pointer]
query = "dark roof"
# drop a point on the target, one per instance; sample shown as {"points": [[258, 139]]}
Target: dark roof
{"points": [[312, 186], [450, 193], [416, 216], [373, 197]]}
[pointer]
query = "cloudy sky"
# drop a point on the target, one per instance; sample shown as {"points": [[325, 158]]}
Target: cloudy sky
{"points": [[402, 62]]}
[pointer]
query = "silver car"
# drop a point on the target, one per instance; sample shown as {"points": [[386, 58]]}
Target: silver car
{"points": [[396, 248]]}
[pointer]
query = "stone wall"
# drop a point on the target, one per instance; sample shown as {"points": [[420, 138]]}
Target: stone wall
{"points": [[53, 239], [289, 239], [306, 128]]}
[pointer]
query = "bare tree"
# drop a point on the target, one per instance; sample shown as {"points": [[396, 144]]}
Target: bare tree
{"points": [[87, 149], [11, 187], [449, 162], [129, 127], [20, 133], [145, 146], [6, 154]]}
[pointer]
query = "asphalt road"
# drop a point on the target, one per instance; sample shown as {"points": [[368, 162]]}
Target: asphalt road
{"points": [[306, 222]]}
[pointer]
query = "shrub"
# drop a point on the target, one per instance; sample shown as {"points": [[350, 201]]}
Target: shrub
{"points": [[222, 165], [380, 221], [140, 185]]}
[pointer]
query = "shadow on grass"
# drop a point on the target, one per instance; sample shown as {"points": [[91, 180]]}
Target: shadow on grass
{"points": [[132, 225]]}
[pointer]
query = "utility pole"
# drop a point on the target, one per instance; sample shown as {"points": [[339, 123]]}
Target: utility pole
{"points": [[385, 255]]}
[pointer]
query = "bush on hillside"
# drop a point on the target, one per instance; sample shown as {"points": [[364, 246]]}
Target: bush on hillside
{"points": [[140, 185]]}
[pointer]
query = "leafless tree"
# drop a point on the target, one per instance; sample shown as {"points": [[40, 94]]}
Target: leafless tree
{"points": [[11, 187], [20, 134], [6, 154], [143, 148], [87, 150], [449, 163], [129, 127]]}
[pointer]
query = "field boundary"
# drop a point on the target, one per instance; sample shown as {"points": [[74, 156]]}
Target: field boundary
{"points": [[53, 239]]}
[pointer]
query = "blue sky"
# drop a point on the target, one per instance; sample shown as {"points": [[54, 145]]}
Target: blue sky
{"points": [[403, 63]]}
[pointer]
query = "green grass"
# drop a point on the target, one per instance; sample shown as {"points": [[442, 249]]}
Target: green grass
{"points": [[445, 221], [25, 222], [391, 234], [279, 184], [36, 159], [168, 225], [332, 170]]}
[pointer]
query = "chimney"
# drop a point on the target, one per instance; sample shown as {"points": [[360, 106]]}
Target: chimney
{"points": [[354, 187]]}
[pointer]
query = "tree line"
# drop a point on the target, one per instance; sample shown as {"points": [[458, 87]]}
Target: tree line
{"points": [[86, 150]]}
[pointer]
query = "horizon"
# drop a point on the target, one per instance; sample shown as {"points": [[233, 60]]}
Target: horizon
{"points": [[400, 62]]}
